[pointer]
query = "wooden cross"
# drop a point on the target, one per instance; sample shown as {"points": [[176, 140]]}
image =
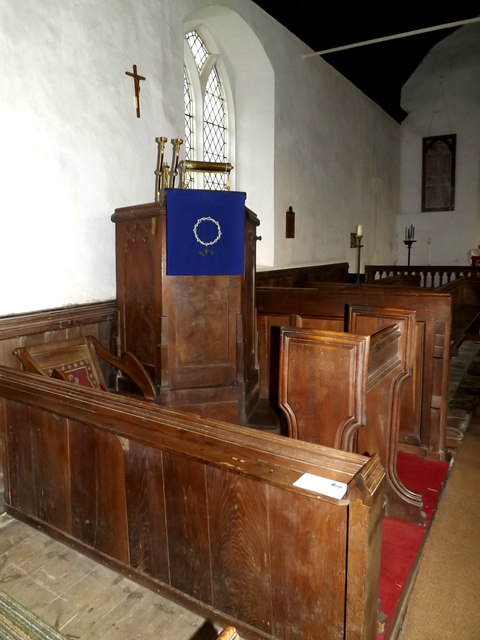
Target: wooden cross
{"points": [[136, 81]]}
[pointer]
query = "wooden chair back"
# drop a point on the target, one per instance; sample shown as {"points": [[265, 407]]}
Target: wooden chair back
{"points": [[77, 360]]}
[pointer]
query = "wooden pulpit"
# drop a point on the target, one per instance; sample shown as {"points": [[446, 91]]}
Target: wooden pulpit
{"points": [[195, 334]]}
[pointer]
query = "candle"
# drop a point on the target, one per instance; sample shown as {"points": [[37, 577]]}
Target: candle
{"points": [[410, 232], [359, 230]]}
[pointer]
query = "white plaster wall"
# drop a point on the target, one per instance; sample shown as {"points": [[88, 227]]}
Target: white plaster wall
{"points": [[73, 150], [443, 97], [336, 164]]}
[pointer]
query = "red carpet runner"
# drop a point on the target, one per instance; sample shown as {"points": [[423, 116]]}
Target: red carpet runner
{"points": [[401, 540]]}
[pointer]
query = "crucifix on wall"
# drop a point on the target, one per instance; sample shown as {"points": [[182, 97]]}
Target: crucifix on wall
{"points": [[136, 82]]}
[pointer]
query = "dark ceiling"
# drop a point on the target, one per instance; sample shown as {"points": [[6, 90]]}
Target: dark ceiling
{"points": [[378, 70]]}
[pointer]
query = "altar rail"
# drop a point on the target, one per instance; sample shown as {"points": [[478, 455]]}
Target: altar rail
{"points": [[201, 511], [430, 276]]}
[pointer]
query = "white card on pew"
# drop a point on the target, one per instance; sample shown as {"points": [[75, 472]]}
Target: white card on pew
{"points": [[325, 486]]}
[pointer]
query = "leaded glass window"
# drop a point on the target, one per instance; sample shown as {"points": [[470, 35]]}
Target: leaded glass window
{"points": [[189, 122], [213, 128]]}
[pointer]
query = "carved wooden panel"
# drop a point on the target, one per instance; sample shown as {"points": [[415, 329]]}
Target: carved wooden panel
{"points": [[322, 383]]}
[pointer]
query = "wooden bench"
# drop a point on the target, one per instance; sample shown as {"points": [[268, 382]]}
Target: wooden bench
{"points": [[343, 390], [425, 397], [206, 513]]}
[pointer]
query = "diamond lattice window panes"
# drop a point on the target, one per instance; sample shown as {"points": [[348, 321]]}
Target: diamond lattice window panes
{"points": [[212, 132]]}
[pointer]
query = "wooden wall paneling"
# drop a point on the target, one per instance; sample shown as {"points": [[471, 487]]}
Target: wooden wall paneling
{"points": [[50, 463], [38, 456], [20, 487], [139, 263], [324, 403], [412, 394], [308, 592], [187, 526], [203, 356], [317, 322], [438, 385], [247, 339], [239, 541], [269, 351], [98, 490], [145, 496]]}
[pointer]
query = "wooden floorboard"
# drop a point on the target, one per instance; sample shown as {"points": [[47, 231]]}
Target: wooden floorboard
{"points": [[81, 598]]}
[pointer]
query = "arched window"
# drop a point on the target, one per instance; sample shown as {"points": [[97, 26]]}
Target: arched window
{"points": [[206, 122]]}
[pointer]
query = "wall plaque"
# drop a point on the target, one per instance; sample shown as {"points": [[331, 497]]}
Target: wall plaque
{"points": [[438, 173]]}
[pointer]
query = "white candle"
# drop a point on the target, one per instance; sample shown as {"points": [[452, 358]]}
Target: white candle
{"points": [[359, 230]]}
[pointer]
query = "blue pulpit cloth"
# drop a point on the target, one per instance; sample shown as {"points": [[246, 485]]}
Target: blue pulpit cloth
{"points": [[205, 232]]}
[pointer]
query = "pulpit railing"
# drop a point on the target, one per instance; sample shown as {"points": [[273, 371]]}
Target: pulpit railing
{"points": [[431, 276]]}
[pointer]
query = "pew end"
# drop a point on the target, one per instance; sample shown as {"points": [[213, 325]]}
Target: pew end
{"points": [[343, 390]]}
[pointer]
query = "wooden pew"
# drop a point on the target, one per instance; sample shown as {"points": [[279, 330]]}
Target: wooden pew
{"points": [[465, 295], [201, 511], [343, 390], [300, 276], [425, 396]]}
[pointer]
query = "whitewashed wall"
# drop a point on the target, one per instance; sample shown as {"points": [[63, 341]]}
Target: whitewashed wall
{"points": [[73, 150], [443, 97]]}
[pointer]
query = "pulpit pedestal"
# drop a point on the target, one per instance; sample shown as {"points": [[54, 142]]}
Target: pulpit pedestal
{"points": [[196, 335]]}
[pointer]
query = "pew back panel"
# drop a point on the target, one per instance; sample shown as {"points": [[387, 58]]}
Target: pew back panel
{"points": [[322, 385], [465, 296], [299, 276], [343, 390], [423, 424], [201, 511]]}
